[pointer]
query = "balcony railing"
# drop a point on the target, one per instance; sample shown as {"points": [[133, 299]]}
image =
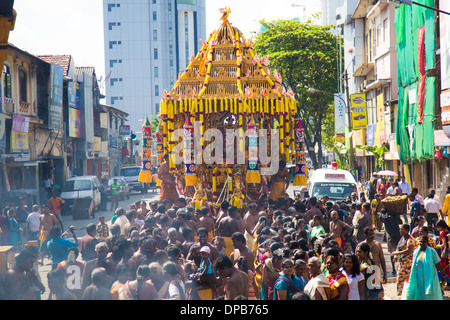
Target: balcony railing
{"points": [[25, 108], [8, 105]]}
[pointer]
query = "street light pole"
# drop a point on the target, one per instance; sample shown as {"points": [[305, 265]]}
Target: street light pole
{"points": [[350, 126], [349, 116]]}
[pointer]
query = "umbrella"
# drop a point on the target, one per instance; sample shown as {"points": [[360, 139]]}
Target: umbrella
{"points": [[387, 173]]}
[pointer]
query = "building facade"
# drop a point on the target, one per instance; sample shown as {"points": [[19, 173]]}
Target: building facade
{"points": [[147, 44]]}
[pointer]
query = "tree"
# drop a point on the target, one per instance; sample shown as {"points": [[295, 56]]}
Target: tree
{"points": [[342, 156], [307, 56], [378, 153]]}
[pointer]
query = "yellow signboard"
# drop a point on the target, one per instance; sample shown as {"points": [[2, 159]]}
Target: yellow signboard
{"points": [[359, 111]]}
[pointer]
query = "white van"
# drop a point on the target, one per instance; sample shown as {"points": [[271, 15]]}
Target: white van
{"points": [[78, 188], [337, 184]]}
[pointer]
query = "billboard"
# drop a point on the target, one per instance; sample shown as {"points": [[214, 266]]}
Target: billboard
{"points": [[56, 97], [19, 142], [445, 44], [359, 111], [339, 114], [74, 123]]}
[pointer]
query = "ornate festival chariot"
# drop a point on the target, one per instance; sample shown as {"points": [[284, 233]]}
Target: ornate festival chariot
{"points": [[226, 86]]}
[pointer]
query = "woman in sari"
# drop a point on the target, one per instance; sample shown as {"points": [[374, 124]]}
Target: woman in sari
{"points": [[373, 289], [404, 255], [336, 279], [424, 280], [287, 283], [444, 230], [270, 273], [15, 232]]}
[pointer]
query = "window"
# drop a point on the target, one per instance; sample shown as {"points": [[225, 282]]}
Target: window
{"points": [[113, 62], [155, 54], [23, 85], [155, 35], [154, 16], [385, 30], [186, 36], [157, 108], [114, 80], [156, 91], [156, 72], [7, 83]]}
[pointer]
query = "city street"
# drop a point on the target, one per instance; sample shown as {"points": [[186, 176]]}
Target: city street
{"points": [[80, 225]]}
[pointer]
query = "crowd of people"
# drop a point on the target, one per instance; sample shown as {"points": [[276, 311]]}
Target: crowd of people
{"points": [[289, 249]]}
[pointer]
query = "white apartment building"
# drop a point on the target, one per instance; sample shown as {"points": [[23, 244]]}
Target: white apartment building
{"points": [[147, 44]]}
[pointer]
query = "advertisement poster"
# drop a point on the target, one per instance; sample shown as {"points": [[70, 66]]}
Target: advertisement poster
{"points": [[19, 142], [56, 97], [339, 114], [20, 124], [359, 111], [74, 123], [444, 20]]}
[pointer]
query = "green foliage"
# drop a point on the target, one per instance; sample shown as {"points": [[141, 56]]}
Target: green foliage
{"points": [[306, 55], [342, 156], [378, 153]]}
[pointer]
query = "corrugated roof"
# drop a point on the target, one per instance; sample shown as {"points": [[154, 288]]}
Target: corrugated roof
{"points": [[60, 59], [88, 70]]}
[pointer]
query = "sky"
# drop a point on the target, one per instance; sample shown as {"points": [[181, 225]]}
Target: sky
{"points": [[75, 27]]}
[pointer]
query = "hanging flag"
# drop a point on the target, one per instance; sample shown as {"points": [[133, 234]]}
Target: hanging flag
{"points": [[146, 174], [265, 61], [188, 153], [253, 175], [422, 74], [165, 94], [283, 92], [300, 162], [249, 73], [263, 92], [290, 93], [278, 76], [255, 59]]}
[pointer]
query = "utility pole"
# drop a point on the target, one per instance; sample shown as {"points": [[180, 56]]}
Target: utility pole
{"points": [[350, 127]]}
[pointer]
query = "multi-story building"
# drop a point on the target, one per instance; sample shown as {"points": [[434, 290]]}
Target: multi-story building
{"points": [[32, 147], [375, 76], [147, 44]]}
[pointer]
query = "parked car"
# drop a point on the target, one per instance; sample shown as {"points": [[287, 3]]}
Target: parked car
{"points": [[81, 187], [124, 190]]}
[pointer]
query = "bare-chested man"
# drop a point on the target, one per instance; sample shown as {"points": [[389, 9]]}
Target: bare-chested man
{"points": [[338, 228], [251, 218], [279, 183], [207, 222], [235, 282], [18, 280], [227, 226], [168, 188], [313, 210], [376, 250], [241, 249], [47, 221]]}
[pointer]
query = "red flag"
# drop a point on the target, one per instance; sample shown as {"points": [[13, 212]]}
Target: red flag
{"points": [[423, 77]]}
